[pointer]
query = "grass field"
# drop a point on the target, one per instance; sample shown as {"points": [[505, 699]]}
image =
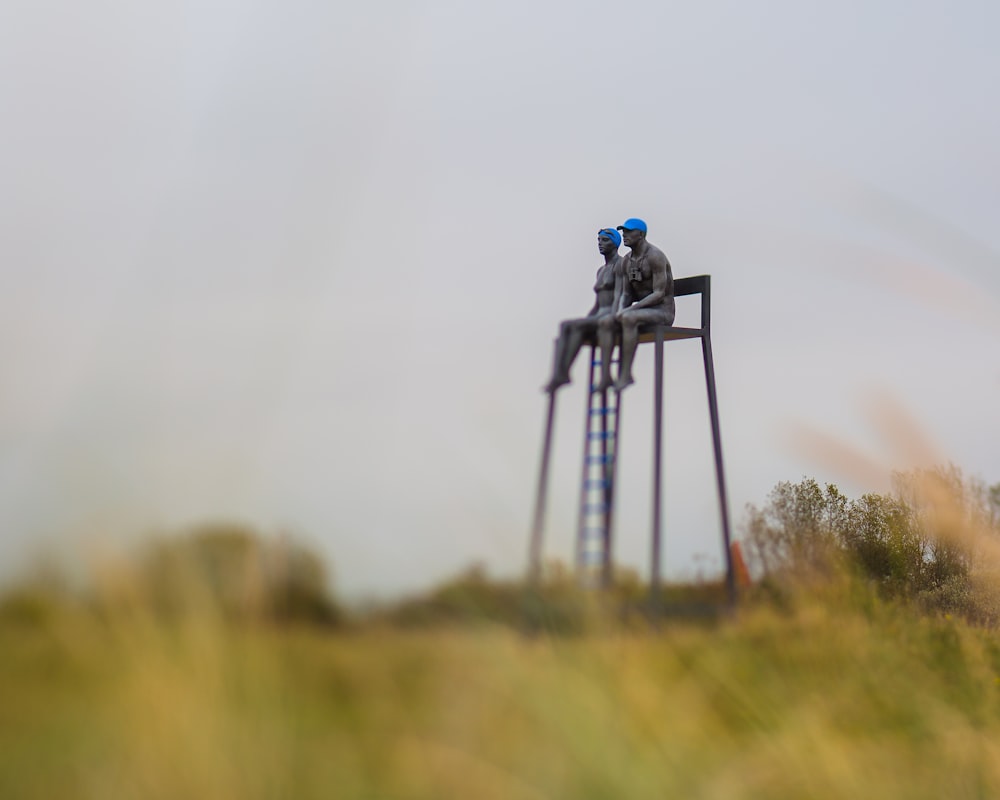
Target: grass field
{"points": [[834, 695]]}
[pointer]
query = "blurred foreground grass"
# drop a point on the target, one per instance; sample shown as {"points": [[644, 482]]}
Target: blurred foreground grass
{"points": [[865, 662], [837, 695]]}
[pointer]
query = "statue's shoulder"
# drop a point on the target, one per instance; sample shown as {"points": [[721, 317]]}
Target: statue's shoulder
{"points": [[656, 251], [658, 255]]}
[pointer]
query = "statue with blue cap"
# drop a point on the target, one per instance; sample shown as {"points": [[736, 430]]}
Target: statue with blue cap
{"points": [[573, 332], [647, 298]]}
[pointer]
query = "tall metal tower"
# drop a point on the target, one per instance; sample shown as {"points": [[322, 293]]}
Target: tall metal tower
{"points": [[600, 457]]}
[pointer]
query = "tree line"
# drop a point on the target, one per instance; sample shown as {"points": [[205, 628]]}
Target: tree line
{"points": [[932, 542]]}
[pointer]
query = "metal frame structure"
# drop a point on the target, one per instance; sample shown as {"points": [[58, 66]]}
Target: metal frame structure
{"points": [[658, 334]]}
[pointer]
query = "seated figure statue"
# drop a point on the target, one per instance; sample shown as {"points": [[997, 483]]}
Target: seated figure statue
{"points": [[573, 332], [647, 298]]}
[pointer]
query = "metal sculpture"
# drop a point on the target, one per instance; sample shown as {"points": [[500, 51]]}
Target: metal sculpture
{"points": [[644, 312]]}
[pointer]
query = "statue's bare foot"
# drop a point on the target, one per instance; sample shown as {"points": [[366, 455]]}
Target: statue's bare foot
{"points": [[555, 383], [623, 383], [604, 385]]}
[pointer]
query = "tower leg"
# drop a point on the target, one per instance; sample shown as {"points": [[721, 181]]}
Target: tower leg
{"points": [[535, 553], [654, 579], [713, 410], [541, 493]]}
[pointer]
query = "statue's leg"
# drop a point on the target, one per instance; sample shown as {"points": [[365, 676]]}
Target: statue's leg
{"points": [[630, 340], [560, 367], [556, 380], [575, 334], [606, 330], [631, 320]]}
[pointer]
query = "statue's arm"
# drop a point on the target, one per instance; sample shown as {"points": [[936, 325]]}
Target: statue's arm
{"points": [[623, 289], [616, 303]]}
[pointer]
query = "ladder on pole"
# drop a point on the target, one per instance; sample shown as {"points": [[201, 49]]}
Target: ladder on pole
{"points": [[597, 487]]}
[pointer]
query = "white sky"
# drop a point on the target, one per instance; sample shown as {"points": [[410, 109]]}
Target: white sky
{"points": [[300, 264]]}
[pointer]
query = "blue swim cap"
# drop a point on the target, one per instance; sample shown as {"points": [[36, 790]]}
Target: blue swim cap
{"points": [[613, 235], [632, 224]]}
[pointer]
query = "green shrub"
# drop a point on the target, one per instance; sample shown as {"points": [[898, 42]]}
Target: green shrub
{"points": [[929, 542]]}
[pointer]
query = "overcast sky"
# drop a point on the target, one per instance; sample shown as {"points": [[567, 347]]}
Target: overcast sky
{"points": [[299, 265]]}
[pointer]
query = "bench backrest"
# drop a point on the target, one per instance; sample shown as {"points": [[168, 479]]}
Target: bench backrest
{"points": [[697, 284]]}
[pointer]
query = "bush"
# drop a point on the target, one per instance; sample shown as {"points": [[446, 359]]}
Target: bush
{"points": [[225, 571], [930, 542], [240, 574], [556, 605]]}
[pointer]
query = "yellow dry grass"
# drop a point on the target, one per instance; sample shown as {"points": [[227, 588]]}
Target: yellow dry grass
{"points": [[837, 696]]}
